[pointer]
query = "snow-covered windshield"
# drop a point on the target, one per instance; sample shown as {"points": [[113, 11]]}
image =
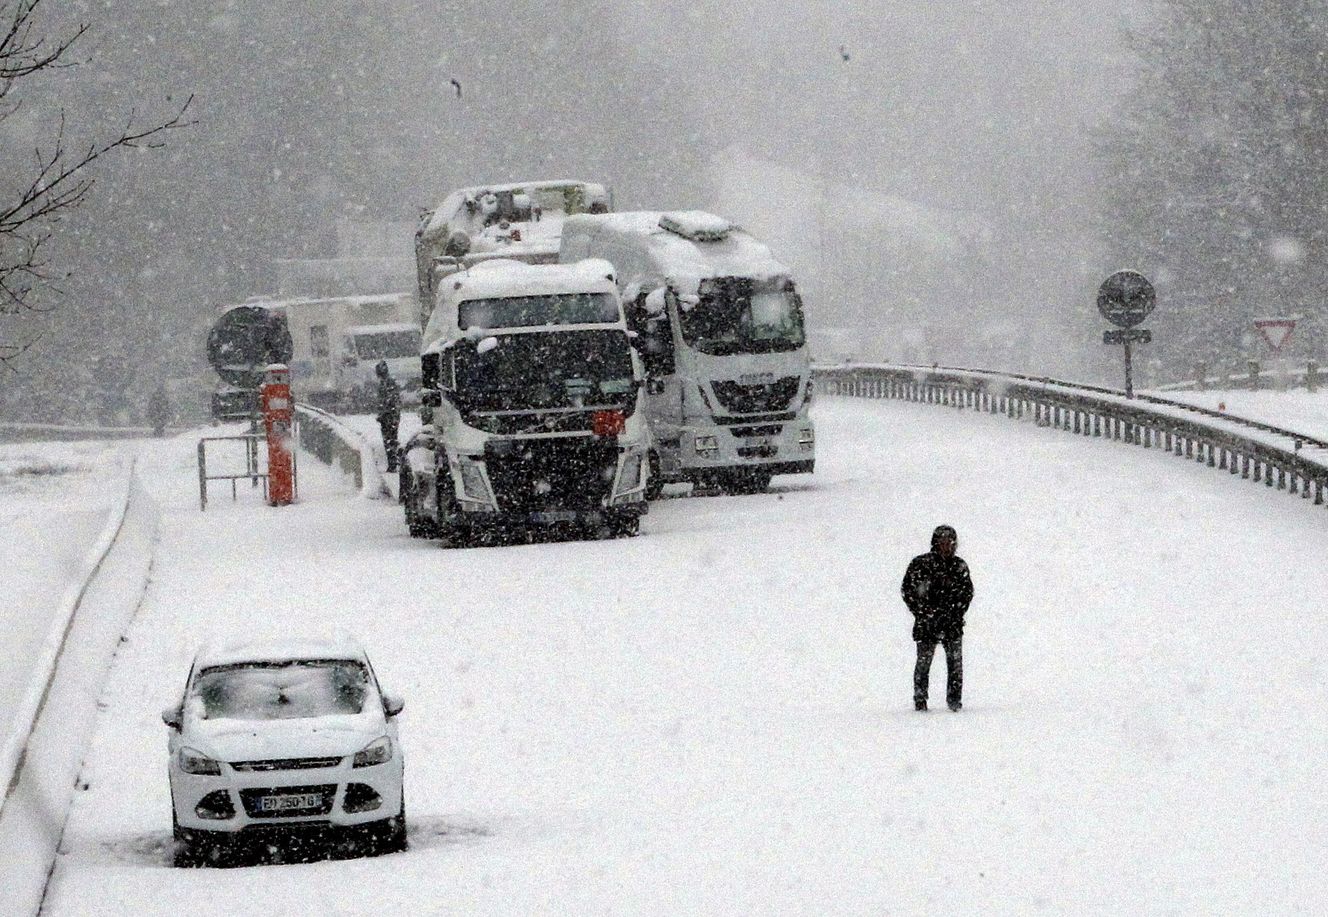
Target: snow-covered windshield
{"points": [[387, 345], [522, 372], [741, 315], [527, 311], [280, 690]]}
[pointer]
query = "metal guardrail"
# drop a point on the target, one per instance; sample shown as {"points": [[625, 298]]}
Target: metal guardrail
{"points": [[1274, 456], [331, 441]]}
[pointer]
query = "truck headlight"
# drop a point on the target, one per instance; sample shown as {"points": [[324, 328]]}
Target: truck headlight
{"points": [[806, 439], [195, 762], [472, 481], [706, 445], [630, 477], [379, 751]]}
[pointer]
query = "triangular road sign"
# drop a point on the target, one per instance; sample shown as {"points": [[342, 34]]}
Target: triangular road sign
{"points": [[1276, 331]]}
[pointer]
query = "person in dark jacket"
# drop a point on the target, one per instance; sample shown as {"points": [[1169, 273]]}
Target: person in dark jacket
{"points": [[389, 412], [937, 588]]}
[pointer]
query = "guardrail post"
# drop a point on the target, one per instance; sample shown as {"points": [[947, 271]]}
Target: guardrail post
{"points": [[1312, 376], [202, 477], [1318, 493], [1211, 459], [1254, 375], [1201, 376]]}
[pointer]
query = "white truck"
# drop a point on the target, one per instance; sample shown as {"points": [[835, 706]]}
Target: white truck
{"points": [[520, 221], [533, 403], [720, 327], [337, 342]]}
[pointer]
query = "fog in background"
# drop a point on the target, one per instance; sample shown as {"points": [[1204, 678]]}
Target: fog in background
{"points": [[925, 168]]}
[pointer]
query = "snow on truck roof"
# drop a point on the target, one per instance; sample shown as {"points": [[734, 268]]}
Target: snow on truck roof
{"points": [[688, 245], [502, 277], [278, 649], [498, 277], [457, 198]]}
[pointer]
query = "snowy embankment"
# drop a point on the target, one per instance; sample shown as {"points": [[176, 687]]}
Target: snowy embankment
{"points": [[715, 717], [1297, 410], [67, 643]]}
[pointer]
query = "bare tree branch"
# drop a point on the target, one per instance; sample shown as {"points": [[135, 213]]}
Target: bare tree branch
{"points": [[60, 178]]}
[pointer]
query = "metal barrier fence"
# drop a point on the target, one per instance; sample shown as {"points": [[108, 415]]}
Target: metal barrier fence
{"points": [[1273, 456], [323, 435]]}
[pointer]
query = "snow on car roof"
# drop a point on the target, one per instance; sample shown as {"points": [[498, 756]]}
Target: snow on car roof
{"points": [[688, 261], [278, 649]]}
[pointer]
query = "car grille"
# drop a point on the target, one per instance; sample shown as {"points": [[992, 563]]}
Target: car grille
{"points": [[752, 399], [538, 475], [285, 764], [251, 797]]}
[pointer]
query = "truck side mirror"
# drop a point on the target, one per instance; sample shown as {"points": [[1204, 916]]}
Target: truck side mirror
{"points": [[431, 398]]}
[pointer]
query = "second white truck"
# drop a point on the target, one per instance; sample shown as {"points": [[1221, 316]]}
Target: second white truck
{"points": [[720, 327]]}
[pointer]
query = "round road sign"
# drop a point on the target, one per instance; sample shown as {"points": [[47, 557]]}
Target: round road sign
{"points": [[1125, 298]]}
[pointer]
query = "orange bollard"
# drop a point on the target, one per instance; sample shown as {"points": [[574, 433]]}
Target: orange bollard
{"points": [[278, 420]]}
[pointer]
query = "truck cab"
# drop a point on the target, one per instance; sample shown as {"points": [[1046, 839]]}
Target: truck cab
{"points": [[720, 327], [535, 398]]}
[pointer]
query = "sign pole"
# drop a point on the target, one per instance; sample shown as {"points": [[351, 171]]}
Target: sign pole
{"points": [[1129, 371]]}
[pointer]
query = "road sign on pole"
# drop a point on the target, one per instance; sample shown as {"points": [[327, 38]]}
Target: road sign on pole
{"points": [[1127, 336], [1276, 330], [1125, 299]]}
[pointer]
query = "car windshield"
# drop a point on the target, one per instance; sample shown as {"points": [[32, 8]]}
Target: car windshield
{"points": [[537, 371], [386, 345], [526, 311], [741, 315], [281, 690]]}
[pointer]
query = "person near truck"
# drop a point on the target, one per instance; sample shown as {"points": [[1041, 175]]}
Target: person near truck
{"points": [[937, 589], [389, 412]]}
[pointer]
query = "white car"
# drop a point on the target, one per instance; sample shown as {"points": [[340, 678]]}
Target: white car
{"points": [[288, 735]]}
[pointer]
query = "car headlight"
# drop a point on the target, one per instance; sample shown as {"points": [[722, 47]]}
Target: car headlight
{"points": [[195, 762], [379, 751]]}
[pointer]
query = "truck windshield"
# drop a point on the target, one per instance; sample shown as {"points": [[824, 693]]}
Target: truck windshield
{"points": [[527, 311], [741, 315], [386, 345], [530, 372]]}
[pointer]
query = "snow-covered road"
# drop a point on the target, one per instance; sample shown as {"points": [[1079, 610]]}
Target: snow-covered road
{"points": [[715, 717]]}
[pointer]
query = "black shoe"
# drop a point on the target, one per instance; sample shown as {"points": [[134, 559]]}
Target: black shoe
{"points": [[955, 706], [919, 705]]}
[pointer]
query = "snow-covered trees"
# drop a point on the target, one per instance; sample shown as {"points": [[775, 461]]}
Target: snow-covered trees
{"points": [[52, 175], [1215, 168]]}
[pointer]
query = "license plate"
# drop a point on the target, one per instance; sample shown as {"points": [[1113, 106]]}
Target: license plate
{"points": [[562, 515], [761, 441], [289, 801]]}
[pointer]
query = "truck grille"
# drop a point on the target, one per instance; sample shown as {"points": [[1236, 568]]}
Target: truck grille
{"points": [[252, 798], [540, 475], [285, 764], [753, 399]]}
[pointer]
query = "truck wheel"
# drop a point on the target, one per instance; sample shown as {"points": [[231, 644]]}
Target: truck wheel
{"points": [[626, 526], [654, 486]]}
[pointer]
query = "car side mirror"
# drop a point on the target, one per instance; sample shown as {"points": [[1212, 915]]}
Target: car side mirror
{"points": [[393, 704], [173, 716]]}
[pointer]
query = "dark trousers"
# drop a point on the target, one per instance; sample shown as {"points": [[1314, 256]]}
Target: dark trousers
{"points": [[954, 668], [387, 425]]}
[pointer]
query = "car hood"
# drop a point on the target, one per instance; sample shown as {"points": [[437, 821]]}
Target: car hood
{"points": [[260, 740]]}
